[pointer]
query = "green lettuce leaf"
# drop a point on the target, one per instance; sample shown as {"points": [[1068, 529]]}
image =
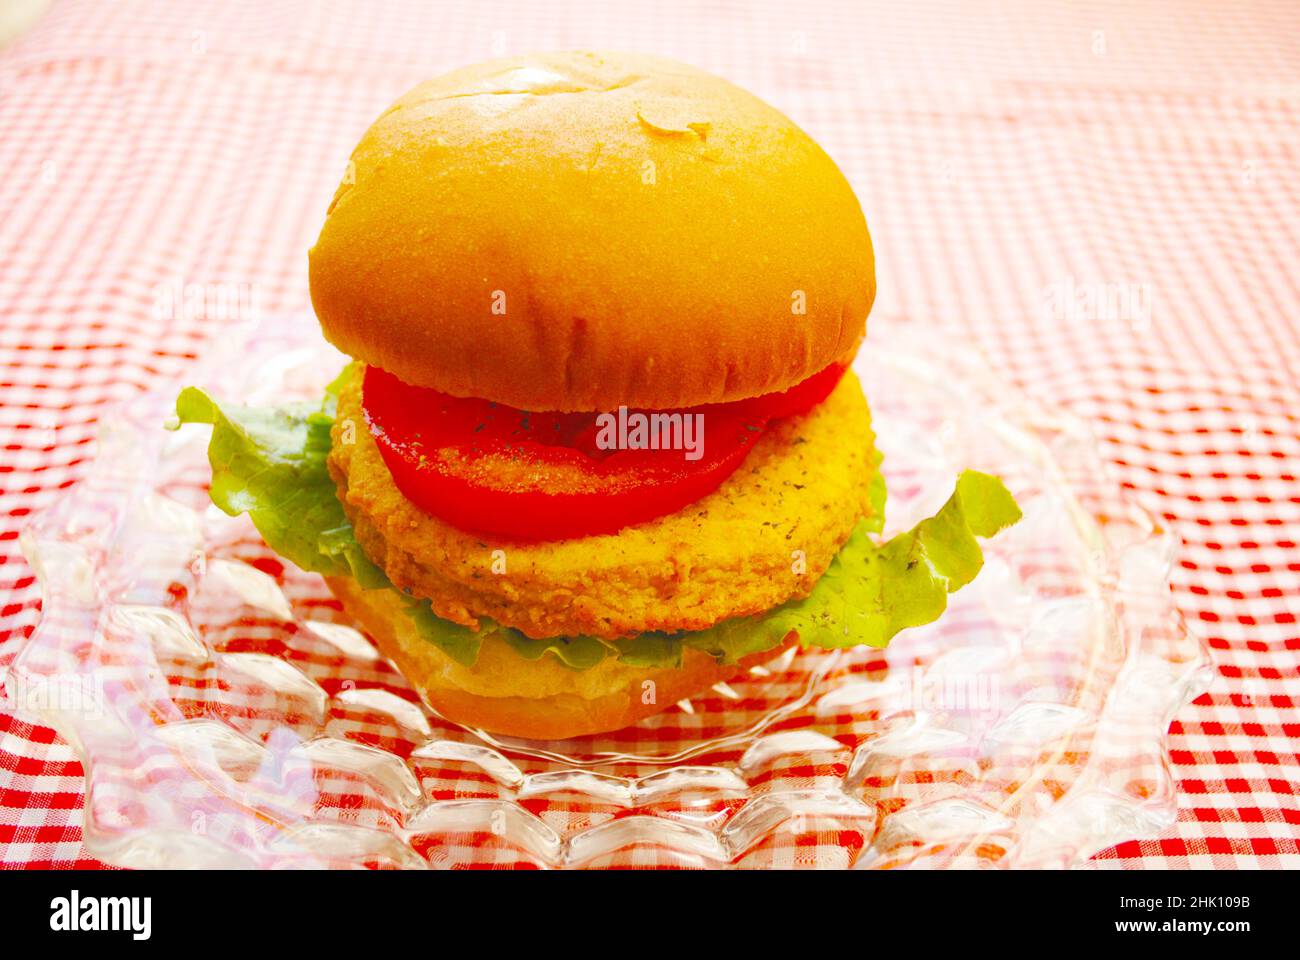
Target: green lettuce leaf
{"points": [[270, 464], [458, 642], [871, 592], [876, 496], [576, 652]]}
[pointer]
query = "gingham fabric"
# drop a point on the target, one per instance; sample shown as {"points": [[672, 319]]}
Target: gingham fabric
{"points": [[1104, 198]]}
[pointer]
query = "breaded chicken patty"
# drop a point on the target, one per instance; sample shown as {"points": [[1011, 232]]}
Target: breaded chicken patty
{"points": [[766, 535]]}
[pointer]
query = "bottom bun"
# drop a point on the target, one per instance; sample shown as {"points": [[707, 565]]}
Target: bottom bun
{"points": [[535, 699]]}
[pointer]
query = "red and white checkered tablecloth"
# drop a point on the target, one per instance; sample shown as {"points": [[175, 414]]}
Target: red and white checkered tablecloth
{"points": [[1106, 198]]}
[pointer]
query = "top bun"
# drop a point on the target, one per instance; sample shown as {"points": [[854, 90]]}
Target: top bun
{"points": [[576, 231]]}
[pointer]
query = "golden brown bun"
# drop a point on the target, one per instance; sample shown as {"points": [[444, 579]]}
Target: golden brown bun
{"points": [[649, 229], [537, 699]]}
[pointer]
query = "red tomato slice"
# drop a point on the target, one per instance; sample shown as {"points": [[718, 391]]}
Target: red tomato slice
{"points": [[494, 469], [800, 398]]}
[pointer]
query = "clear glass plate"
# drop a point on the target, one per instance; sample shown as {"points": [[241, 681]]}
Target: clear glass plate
{"points": [[228, 714]]}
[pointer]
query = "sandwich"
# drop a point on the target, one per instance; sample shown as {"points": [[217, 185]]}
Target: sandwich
{"points": [[600, 446]]}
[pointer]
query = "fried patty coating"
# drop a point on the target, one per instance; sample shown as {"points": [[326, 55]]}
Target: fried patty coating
{"points": [[763, 537]]}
